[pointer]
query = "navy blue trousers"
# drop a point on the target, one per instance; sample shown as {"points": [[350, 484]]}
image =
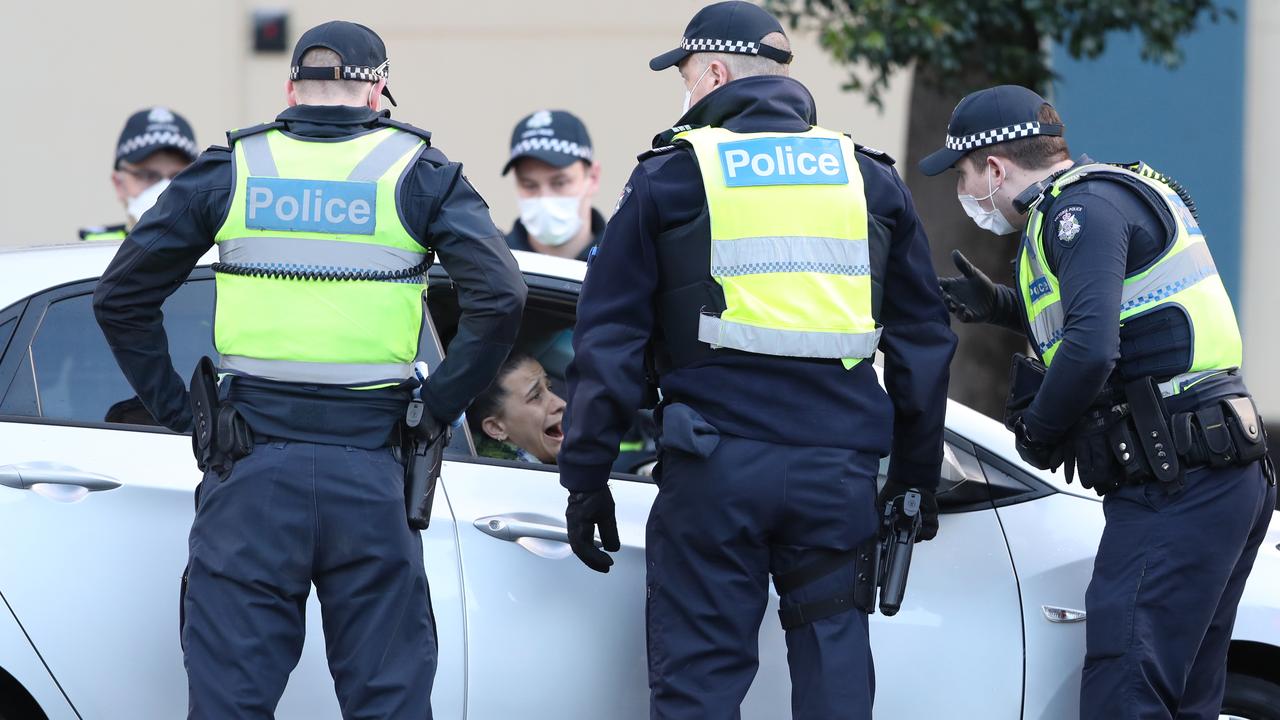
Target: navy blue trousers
{"points": [[1167, 580], [288, 515], [720, 525]]}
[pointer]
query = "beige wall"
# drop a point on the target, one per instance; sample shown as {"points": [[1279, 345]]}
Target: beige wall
{"points": [[1261, 254], [467, 71]]}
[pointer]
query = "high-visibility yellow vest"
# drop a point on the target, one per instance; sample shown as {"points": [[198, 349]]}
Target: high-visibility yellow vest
{"points": [[104, 232], [1184, 276], [789, 245], [318, 279]]}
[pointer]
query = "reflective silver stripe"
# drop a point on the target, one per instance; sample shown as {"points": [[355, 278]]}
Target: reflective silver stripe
{"points": [[720, 333], [344, 374], [789, 254], [1180, 383], [383, 156], [1046, 328], [257, 153], [287, 253], [1173, 275]]}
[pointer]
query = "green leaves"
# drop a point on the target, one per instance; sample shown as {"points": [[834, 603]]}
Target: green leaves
{"points": [[1000, 39]]}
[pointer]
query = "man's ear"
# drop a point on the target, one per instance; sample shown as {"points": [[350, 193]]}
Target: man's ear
{"points": [[290, 93], [375, 97], [593, 178], [999, 168], [492, 427], [720, 73]]}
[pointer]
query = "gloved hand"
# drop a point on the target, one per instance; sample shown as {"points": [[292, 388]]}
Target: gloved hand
{"points": [[971, 296], [928, 507], [1044, 455], [585, 512]]}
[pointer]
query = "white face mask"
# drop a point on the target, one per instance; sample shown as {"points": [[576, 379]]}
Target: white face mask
{"points": [[688, 94], [552, 220], [144, 200], [990, 220]]}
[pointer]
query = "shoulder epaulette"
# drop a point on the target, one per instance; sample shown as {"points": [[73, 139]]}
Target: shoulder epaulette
{"points": [[874, 154], [424, 134], [234, 135], [655, 152], [434, 156]]}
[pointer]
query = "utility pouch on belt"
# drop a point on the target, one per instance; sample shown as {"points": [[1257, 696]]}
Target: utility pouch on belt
{"points": [[1150, 419], [1026, 375], [1225, 433], [219, 436]]}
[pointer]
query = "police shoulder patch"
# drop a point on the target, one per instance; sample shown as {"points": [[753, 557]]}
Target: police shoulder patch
{"points": [[622, 199], [1069, 223]]}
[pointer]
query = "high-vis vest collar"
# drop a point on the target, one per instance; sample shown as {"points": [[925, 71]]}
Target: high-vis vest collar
{"points": [[788, 244], [1184, 276], [318, 279]]}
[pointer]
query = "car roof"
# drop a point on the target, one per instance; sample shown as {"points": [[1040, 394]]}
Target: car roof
{"points": [[25, 271]]}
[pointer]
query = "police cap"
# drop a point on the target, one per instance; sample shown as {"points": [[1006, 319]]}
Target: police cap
{"points": [[556, 137], [362, 53], [987, 117], [734, 26], [154, 129]]}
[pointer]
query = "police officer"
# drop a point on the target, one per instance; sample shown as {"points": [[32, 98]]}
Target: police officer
{"points": [[325, 221], [1143, 397], [557, 177], [155, 145], [754, 265]]}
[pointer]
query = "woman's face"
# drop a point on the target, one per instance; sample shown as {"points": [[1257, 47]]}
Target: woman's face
{"points": [[530, 414]]}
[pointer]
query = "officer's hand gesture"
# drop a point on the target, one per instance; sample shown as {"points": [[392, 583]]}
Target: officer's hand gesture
{"points": [[585, 512], [971, 296]]}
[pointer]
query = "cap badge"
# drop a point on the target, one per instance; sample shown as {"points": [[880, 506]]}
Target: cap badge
{"points": [[540, 119], [160, 115]]}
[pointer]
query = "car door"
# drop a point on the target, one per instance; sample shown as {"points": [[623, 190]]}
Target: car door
{"points": [[95, 507], [546, 637], [954, 649]]}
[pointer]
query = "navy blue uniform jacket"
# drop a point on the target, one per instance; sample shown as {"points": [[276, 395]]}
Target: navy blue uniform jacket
{"points": [[1119, 234], [435, 200], [772, 399]]}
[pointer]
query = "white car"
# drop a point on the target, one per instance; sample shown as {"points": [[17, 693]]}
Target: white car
{"points": [[93, 540]]}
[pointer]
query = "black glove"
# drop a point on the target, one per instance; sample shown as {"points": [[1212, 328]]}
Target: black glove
{"points": [[928, 507], [585, 512], [971, 296], [1046, 456]]}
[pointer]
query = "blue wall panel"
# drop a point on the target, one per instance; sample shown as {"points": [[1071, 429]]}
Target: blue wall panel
{"points": [[1188, 122]]}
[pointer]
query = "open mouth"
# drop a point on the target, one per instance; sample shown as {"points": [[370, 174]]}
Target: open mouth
{"points": [[554, 432]]}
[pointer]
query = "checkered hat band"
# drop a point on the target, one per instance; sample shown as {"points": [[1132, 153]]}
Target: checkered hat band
{"points": [[349, 72], [965, 143], [556, 145], [165, 139], [743, 47]]}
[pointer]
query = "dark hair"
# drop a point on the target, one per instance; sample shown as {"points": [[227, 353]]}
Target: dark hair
{"points": [[1029, 153], [488, 402]]}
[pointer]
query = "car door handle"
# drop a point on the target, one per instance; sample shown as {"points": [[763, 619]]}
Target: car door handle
{"points": [[513, 528], [28, 476]]}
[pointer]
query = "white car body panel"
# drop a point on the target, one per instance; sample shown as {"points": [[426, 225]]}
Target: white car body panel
{"points": [[95, 582]]}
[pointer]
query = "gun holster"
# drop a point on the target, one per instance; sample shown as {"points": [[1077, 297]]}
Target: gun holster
{"points": [[423, 459], [864, 559], [219, 435]]}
